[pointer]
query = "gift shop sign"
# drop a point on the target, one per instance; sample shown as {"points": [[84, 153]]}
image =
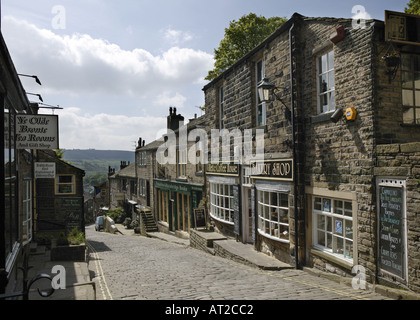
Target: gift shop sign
{"points": [[38, 132]]}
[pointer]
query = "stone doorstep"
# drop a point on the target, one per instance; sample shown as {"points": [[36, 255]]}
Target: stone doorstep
{"points": [[247, 254]]}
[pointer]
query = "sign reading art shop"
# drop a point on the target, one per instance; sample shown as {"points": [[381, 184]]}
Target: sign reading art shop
{"points": [[273, 169], [38, 132]]}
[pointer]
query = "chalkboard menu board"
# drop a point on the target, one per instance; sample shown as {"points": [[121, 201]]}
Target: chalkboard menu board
{"points": [[391, 230], [69, 210]]}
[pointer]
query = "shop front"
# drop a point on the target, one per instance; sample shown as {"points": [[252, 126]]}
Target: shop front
{"points": [[175, 204], [272, 182]]}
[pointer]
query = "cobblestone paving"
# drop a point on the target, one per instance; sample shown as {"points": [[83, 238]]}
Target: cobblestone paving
{"points": [[140, 268]]}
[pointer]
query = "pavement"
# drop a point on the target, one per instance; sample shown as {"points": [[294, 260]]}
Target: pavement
{"points": [[79, 285]]}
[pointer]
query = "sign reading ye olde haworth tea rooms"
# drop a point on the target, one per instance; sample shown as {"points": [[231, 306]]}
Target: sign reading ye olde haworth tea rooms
{"points": [[37, 132]]}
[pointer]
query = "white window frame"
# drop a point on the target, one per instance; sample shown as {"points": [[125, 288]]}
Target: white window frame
{"points": [[27, 211], [327, 208], [273, 216], [221, 202], [329, 74], [72, 184], [142, 187], [259, 75], [182, 162], [142, 159]]}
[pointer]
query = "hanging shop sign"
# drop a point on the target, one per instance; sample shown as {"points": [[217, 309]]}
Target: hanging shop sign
{"points": [[402, 28], [37, 132], [281, 169]]}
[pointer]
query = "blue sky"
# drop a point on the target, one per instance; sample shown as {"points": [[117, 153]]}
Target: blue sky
{"points": [[117, 66]]}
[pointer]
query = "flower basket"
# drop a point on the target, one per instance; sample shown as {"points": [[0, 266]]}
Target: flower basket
{"points": [[392, 60]]}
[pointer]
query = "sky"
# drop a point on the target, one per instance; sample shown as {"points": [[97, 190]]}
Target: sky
{"points": [[115, 67]]}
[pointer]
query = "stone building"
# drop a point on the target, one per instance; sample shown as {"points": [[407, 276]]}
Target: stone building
{"points": [[123, 189], [60, 200], [338, 181], [178, 183]]}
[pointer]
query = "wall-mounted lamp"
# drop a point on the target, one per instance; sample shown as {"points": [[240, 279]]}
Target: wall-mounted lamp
{"points": [[265, 90], [35, 77], [337, 115], [38, 95]]}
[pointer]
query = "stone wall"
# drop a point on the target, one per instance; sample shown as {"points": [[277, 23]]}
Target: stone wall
{"points": [[339, 157], [403, 161]]}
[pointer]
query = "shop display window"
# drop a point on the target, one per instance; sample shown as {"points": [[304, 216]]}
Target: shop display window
{"points": [[333, 227], [273, 215], [221, 202]]}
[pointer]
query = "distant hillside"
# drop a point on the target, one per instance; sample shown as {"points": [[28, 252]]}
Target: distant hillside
{"points": [[92, 154], [95, 163]]}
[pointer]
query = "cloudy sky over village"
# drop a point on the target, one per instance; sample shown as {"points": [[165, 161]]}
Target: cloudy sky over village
{"points": [[115, 67]]}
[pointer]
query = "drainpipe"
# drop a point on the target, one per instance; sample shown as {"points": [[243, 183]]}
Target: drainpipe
{"points": [[294, 150]]}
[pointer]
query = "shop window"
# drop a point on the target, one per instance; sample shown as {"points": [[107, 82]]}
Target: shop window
{"points": [[10, 209], [410, 68], [261, 106], [221, 202], [273, 215], [333, 227], [326, 82], [27, 211], [65, 184]]}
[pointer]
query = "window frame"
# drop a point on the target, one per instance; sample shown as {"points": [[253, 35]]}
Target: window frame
{"points": [[266, 220], [182, 159], [330, 217], [57, 184], [413, 89], [27, 204], [220, 195], [259, 75], [329, 90]]}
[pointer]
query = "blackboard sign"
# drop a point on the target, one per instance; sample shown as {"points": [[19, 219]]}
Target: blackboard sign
{"points": [[69, 210], [200, 217], [236, 217], [391, 230]]}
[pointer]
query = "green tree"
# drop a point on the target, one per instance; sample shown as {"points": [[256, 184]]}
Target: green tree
{"points": [[240, 38], [413, 7]]}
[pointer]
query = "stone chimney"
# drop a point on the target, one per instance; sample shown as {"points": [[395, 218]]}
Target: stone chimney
{"points": [[174, 120], [124, 164]]}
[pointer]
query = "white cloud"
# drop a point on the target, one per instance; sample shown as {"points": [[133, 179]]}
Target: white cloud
{"points": [[104, 131], [80, 64], [177, 37], [165, 99]]}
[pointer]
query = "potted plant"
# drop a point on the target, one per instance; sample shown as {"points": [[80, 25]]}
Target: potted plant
{"points": [[69, 248]]}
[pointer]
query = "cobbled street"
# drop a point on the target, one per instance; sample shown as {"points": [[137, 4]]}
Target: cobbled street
{"points": [[141, 268]]}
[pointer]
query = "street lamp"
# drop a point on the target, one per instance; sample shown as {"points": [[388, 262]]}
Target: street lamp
{"points": [[34, 94], [265, 88], [35, 77]]}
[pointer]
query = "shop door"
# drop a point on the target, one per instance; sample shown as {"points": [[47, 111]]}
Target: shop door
{"points": [[247, 216]]}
